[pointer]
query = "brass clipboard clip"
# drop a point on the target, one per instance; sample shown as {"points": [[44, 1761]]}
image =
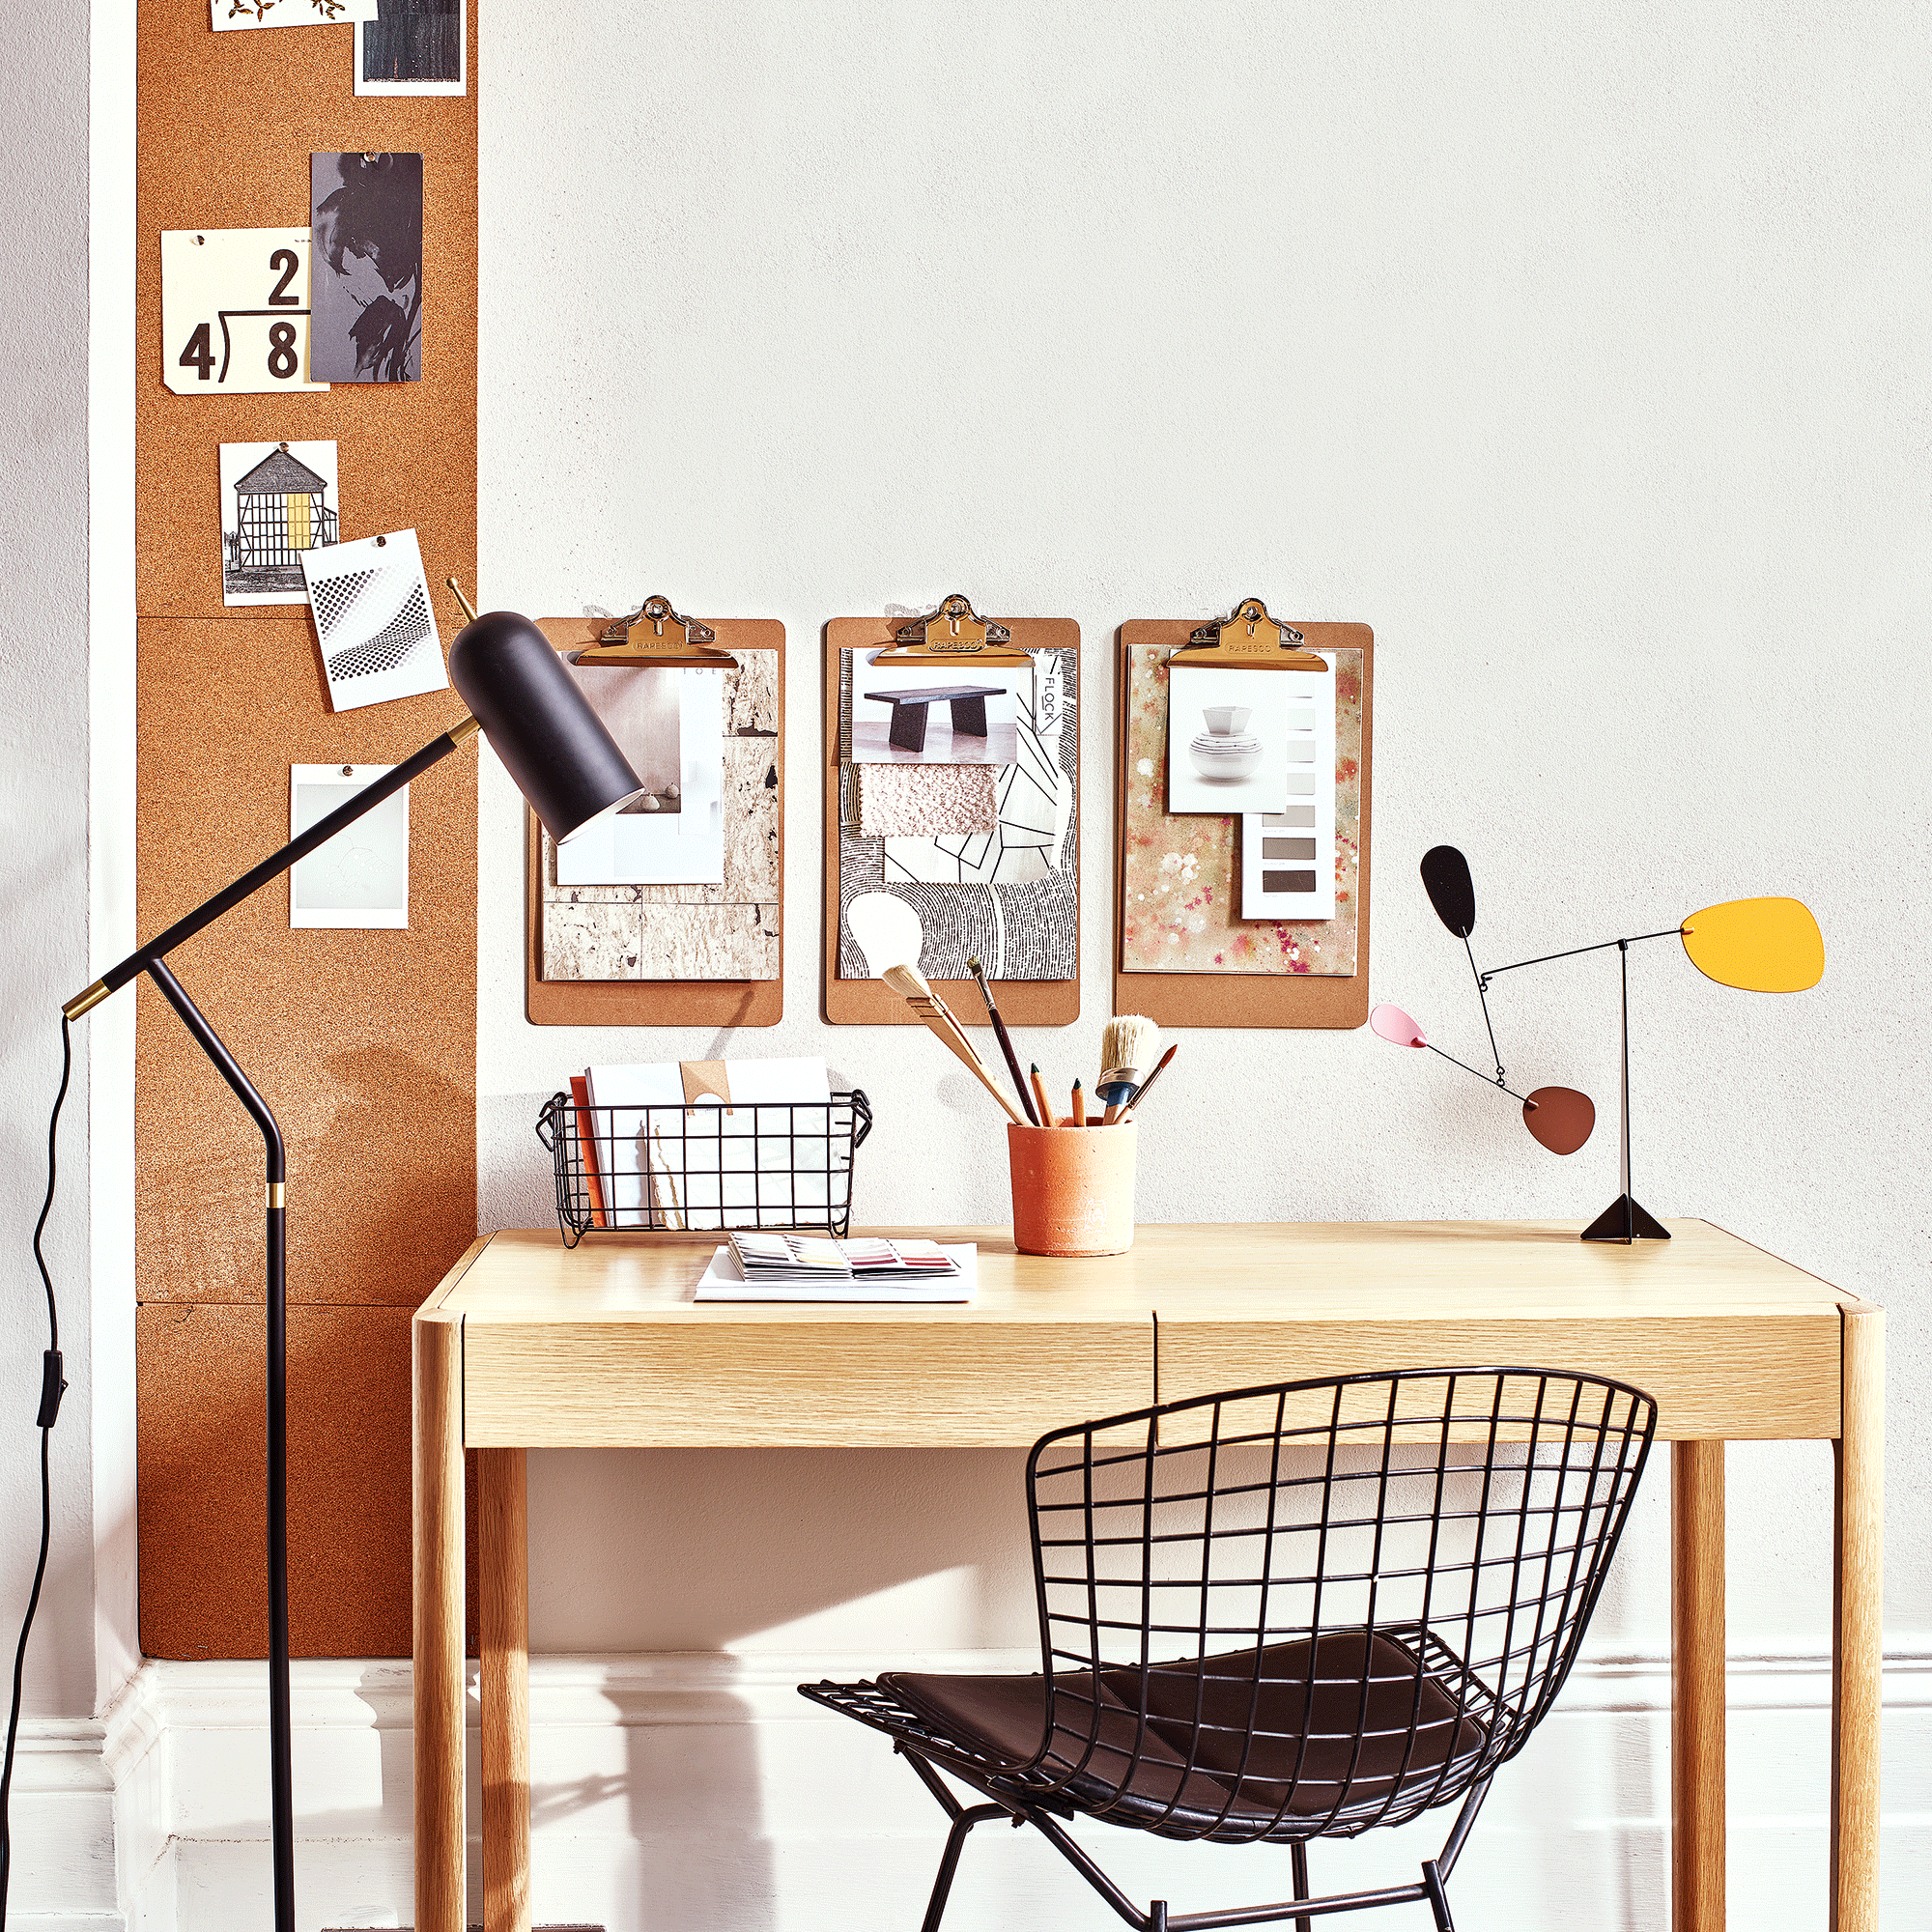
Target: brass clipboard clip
{"points": [[1248, 640], [639, 642], [953, 633]]}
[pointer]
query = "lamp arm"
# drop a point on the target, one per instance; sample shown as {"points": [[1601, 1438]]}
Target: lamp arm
{"points": [[271, 868], [1488, 972]]}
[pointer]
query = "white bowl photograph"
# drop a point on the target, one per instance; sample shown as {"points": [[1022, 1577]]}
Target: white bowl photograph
{"points": [[1227, 739]]}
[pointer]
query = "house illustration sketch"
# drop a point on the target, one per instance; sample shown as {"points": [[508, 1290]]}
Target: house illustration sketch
{"points": [[281, 510]]}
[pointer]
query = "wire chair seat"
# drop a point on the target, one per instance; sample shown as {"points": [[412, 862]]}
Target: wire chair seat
{"points": [[1309, 1762], [1285, 1613]]}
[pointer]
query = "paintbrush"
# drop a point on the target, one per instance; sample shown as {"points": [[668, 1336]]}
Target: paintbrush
{"points": [[910, 985], [978, 972], [1141, 1092], [1127, 1046]]}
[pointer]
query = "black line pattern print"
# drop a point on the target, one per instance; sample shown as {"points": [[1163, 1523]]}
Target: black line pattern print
{"points": [[1028, 929], [395, 642], [333, 598]]}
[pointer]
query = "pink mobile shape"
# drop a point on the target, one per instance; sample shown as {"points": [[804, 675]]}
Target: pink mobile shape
{"points": [[1395, 1027]]}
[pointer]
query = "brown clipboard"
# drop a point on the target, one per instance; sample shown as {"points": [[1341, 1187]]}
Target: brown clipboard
{"points": [[865, 1001], [712, 1003], [1240, 999]]}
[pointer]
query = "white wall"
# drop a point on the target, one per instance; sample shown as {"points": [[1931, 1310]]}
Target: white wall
{"points": [[44, 823], [1578, 353]]}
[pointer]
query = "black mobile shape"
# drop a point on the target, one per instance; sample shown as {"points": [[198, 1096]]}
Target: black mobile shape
{"points": [[1623, 1220], [1446, 878]]}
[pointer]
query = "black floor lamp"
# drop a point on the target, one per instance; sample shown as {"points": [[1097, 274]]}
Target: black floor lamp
{"points": [[570, 769]]}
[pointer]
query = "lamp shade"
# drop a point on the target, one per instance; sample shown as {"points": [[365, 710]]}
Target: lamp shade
{"points": [[539, 724]]}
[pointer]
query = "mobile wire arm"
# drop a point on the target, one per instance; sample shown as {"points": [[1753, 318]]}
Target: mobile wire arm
{"points": [[1623, 1220], [151, 959]]}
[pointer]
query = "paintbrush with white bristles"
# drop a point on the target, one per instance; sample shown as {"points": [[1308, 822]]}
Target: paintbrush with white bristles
{"points": [[1127, 1045]]}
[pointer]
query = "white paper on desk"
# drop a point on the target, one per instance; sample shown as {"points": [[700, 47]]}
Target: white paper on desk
{"points": [[682, 842], [753, 1163], [723, 1280]]}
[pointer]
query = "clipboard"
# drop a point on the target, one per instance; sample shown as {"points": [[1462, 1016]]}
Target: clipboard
{"points": [[951, 637], [1236, 999], [657, 636]]}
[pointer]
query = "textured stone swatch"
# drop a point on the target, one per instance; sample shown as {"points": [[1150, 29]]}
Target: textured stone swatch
{"points": [[923, 801]]}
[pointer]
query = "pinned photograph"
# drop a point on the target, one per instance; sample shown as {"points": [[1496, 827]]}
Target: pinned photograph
{"points": [[278, 499], [366, 221], [413, 46], [373, 619], [670, 726], [362, 877], [958, 715], [1228, 741], [228, 17]]}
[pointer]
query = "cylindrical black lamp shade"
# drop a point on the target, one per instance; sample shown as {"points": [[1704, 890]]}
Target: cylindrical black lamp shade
{"points": [[539, 724]]}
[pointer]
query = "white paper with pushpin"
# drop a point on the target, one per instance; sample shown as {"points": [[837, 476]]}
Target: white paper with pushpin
{"points": [[374, 620]]}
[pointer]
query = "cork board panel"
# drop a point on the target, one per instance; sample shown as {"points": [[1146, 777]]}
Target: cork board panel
{"points": [[1229, 998], [865, 1001], [227, 123], [201, 1405], [686, 918], [364, 1044]]}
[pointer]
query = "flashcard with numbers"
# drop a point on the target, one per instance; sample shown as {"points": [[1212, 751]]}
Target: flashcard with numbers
{"points": [[228, 17], [234, 310]]}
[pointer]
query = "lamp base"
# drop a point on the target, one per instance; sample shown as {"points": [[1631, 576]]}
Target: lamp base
{"points": [[1623, 1220]]}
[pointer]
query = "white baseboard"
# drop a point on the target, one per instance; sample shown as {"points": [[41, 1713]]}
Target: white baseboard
{"points": [[62, 1809], [693, 1791]]}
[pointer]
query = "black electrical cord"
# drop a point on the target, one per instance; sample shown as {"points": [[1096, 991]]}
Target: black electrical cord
{"points": [[52, 1388]]}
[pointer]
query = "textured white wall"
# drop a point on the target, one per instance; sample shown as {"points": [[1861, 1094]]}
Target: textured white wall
{"points": [[43, 824], [1580, 353]]}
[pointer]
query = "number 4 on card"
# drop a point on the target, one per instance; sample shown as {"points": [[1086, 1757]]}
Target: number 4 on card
{"points": [[234, 310]]}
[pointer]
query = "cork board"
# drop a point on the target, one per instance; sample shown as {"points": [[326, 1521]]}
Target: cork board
{"points": [[1212, 999], [363, 1041], [698, 931], [865, 1001]]}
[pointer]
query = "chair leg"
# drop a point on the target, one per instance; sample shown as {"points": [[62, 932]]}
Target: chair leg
{"points": [[1438, 1899], [949, 1864], [1157, 1915], [1299, 1860]]}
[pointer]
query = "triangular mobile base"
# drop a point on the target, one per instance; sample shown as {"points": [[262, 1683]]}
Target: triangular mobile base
{"points": [[1623, 1220]]}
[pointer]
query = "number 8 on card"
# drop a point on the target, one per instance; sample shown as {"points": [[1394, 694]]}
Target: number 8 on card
{"points": [[234, 310]]}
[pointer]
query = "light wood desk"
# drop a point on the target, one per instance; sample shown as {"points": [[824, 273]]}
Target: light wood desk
{"points": [[527, 1345]]}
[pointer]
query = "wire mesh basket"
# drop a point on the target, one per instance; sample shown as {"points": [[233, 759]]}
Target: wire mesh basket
{"points": [[763, 1165]]}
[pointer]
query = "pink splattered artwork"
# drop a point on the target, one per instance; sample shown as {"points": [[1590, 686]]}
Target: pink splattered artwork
{"points": [[1181, 875]]}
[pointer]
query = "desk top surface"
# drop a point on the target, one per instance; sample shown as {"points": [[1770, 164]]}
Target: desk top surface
{"points": [[1319, 1271]]}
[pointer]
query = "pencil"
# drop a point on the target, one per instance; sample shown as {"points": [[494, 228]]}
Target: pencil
{"points": [[1079, 1117], [1047, 1119]]}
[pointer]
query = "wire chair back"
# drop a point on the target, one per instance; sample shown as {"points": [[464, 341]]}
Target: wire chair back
{"points": [[1315, 1607]]}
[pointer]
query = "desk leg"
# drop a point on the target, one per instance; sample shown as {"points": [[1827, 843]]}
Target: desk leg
{"points": [[505, 1614], [438, 1587], [1857, 1642], [1698, 1687]]}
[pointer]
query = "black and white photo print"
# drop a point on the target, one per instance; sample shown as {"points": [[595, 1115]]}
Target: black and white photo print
{"points": [[374, 620], [278, 499], [365, 267], [413, 46]]}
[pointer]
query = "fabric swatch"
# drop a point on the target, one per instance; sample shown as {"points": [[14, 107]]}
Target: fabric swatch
{"points": [[925, 801]]}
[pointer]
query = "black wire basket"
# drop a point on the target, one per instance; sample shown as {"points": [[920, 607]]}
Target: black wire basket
{"points": [[674, 1167]]}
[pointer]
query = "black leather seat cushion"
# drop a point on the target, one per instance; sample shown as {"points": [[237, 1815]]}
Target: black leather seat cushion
{"points": [[1269, 1740]]}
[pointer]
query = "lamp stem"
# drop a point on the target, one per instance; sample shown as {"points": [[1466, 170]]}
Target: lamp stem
{"points": [[271, 868], [280, 1744], [468, 609]]}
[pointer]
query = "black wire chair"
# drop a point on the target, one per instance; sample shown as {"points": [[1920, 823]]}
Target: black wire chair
{"points": [[1286, 1613]]}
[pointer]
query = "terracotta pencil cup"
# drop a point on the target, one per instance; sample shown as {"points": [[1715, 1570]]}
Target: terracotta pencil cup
{"points": [[1073, 1190]]}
